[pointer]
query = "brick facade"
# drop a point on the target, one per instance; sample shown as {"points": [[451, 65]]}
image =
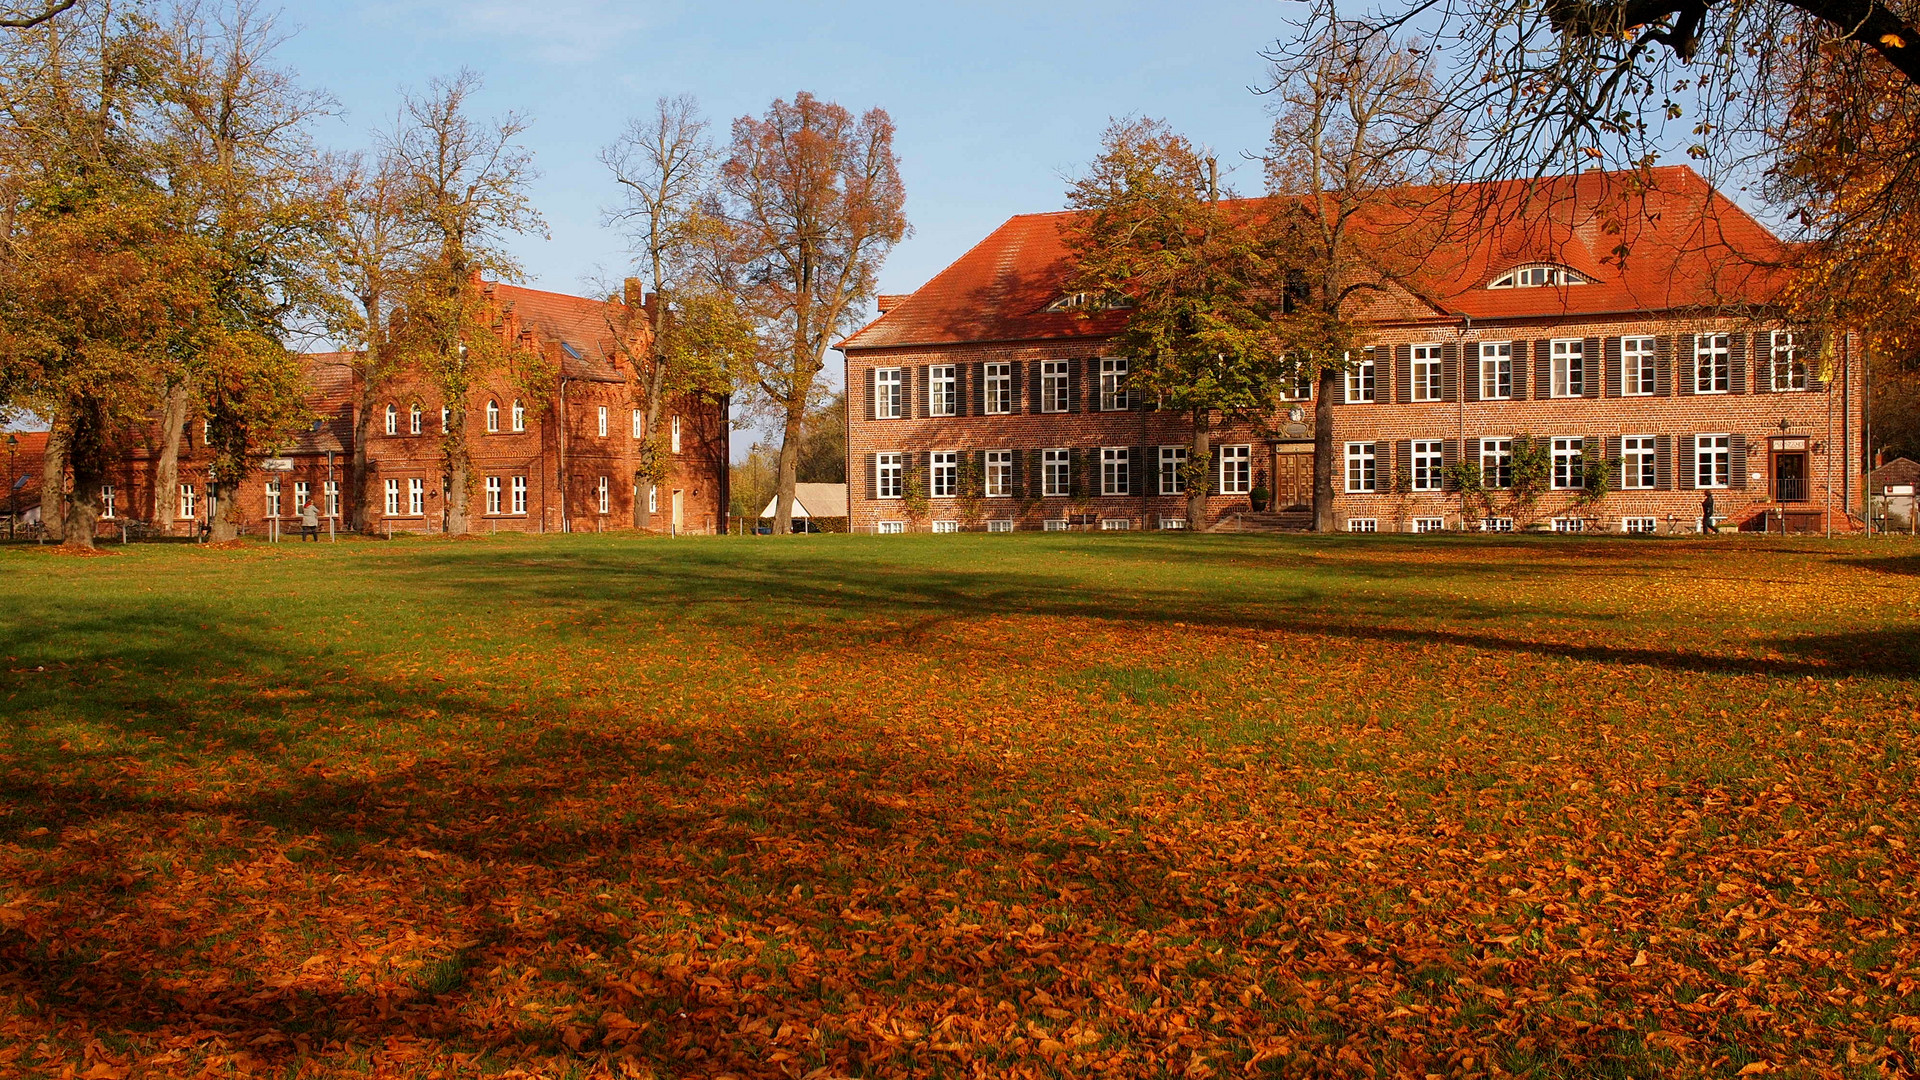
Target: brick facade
{"points": [[537, 465], [1786, 459]]}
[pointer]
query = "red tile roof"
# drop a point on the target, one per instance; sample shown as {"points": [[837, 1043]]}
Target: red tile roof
{"points": [[565, 321], [1687, 248], [26, 457]]}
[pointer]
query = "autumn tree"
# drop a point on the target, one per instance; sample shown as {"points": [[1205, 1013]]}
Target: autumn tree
{"points": [[467, 185], [691, 337], [1196, 278], [1361, 141], [239, 167], [814, 201], [97, 270], [377, 243]]}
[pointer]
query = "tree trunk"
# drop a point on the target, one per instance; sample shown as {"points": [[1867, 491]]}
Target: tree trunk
{"points": [[86, 455], [225, 524], [789, 462], [357, 480], [166, 472], [1199, 484], [1323, 463], [459, 468], [53, 477], [649, 423]]}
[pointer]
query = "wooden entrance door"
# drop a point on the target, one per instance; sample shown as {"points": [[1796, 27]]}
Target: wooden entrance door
{"points": [[1292, 481], [1789, 478]]}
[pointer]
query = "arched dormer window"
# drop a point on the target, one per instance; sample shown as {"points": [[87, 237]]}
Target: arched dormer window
{"points": [[1538, 275], [519, 416], [493, 415], [413, 418], [1088, 301], [393, 420]]}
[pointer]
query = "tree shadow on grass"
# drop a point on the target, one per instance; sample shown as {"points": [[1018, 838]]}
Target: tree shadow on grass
{"points": [[840, 601]]}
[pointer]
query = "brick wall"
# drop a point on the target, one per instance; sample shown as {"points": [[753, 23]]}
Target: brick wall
{"points": [[1828, 420]]}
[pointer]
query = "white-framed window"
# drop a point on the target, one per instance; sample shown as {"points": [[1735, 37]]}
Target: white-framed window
{"points": [[1639, 463], [1301, 389], [1358, 525], [890, 528], [393, 498], [300, 491], [332, 489], [653, 498], [1428, 468], [1569, 359], [1360, 386], [639, 419], [1712, 363], [1496, 370], [393, 420], [1114, 469], [1236, 470], [493, 415], [998, 482], [1569, 457], [1569, 525], [1053, 386], [1496, 463], [886, 394], [1173, 470], [606, 496], [1638, 376], [273, 499], [1538, 276], [1056, 473], [107, 496], [946, 526], [1362, 468], [416, 496], [673, 433], [999, 389], [519, 492], [189, 500], [446, 419], [519, 417], [1056, 525], [943, 474], [1174, 524], [1712, 460], [414, 418], [1000, 525], [493, 495], [1116, 524], [603, 419], [943, 391], [1429, 524], [1113, 383], [1789, 368], [888, 474], [1428, 384], [1648, 525], [1496, 524]]}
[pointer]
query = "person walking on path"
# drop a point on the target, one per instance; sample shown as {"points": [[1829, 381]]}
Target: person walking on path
{"points": [[1708, 520], [309, 523]]}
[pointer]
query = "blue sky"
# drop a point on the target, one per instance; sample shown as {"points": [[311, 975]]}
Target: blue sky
{"points": [[994, 102]]}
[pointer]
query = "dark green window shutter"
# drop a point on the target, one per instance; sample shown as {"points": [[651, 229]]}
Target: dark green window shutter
{"points": [[1737, 463], [1663, 462], [1737, 363], [1685, 368], [1688, 460], [1610, 366], [1542, 370], [1592, 366], [1663, 366]]}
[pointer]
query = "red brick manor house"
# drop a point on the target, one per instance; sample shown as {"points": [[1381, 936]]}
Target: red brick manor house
{"points": [[985, 401], [566, 463]]}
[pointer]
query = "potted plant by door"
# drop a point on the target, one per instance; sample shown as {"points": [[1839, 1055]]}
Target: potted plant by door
{"points": [[1260, 497]]}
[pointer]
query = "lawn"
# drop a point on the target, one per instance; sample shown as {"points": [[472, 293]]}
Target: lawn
{"points": [[1036, 805]]}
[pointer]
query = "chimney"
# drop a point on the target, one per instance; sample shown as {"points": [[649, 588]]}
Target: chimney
{"points": [[886, 302], [632, 295]]}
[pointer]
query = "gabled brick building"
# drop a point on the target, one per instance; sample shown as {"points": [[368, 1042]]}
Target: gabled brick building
{"points": [[565, 462], [985, 400]]}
